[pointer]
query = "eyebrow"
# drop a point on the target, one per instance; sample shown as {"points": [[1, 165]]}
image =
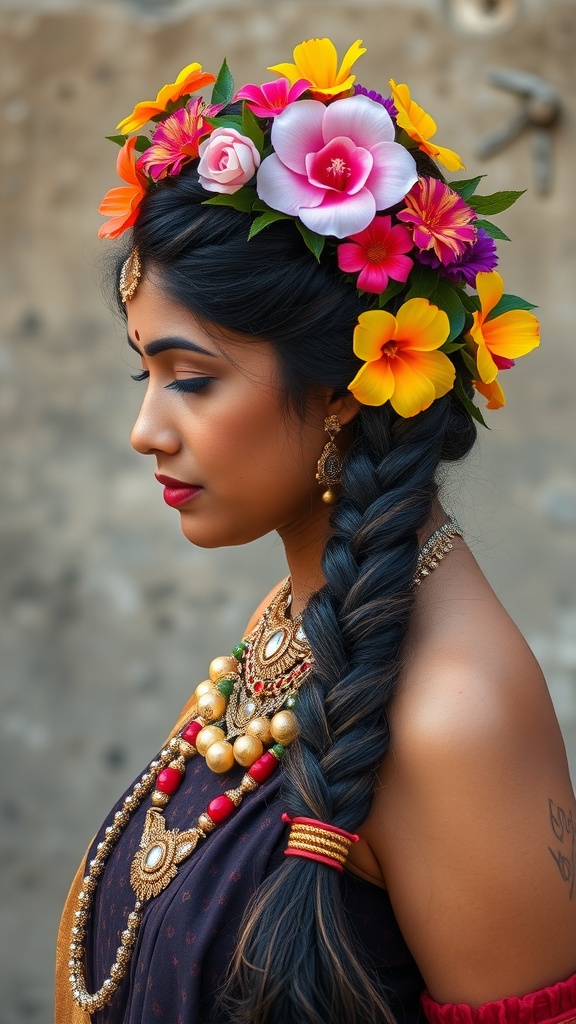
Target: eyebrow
{"points": [[165, 344]]}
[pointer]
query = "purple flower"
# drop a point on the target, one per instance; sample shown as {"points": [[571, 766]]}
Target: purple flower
{"points": [[478, 258], [387, 103]]}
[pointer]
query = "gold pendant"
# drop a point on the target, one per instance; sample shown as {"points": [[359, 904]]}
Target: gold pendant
{"points": [[161, 851]]}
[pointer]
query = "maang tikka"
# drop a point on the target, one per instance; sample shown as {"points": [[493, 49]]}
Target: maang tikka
{"points": [[330, 461]]}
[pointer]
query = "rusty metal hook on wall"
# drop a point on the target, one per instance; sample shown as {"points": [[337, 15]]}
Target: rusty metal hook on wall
{"points": [[540, 110]]}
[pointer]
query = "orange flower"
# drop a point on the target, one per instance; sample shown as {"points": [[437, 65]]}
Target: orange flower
{"points": [[316, 60], [122, 203], [190, 79], [402, 364], [506, 336], [493, 392], [421, 127]]}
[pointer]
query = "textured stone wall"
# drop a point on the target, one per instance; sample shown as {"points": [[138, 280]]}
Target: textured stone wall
{"points": [[108, 617]]}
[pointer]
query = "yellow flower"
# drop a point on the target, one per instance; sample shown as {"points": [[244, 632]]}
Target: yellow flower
{"points": [[190, 79], [421, 127], [493, 392], [402, 365], [316, 60], [504, 337]]}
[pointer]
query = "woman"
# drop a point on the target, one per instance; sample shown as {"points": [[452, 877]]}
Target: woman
{"points": [[312, 357]]}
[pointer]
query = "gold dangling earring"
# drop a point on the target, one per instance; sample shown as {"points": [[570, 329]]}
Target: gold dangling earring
{"points": [[330, 462]]}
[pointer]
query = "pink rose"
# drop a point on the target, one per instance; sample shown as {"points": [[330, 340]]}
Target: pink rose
{"points": [[227, 161]]}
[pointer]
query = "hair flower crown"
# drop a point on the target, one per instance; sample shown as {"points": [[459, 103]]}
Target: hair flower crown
{"points": [[338, 160]]}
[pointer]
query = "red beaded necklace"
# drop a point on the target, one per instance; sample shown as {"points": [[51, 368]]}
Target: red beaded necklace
{"points": [[259, 680]]}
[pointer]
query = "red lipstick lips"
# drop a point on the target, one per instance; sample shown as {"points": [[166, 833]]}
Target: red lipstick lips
{"points": [[177, 493]]}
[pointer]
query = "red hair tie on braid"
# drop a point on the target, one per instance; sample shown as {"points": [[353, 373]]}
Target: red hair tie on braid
{"points": [[315, 840]]}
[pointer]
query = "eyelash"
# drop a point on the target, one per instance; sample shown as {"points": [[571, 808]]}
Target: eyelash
{"points": [[189, 385]]}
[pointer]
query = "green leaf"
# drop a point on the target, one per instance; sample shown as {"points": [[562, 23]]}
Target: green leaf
{"points": [[491, 229], [118, 139], [451, 346], [142, 143], [470, 363], [314, 241], [251, 128], [468, 403], [423, 281], [447, 298], [508, 302], [242, 200], [223, 90], [470, 302], [226, 121], [393, 289], [467, 186], [261, 222], [495, 203]]}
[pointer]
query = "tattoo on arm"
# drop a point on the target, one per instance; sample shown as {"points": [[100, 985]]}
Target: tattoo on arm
{"points": [[564, 850]]}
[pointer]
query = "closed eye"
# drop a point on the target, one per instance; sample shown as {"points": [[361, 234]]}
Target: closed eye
{"points": [[190, 384]]}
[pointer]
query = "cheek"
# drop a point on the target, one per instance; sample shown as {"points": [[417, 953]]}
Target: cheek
{"points": [[259, 470]]}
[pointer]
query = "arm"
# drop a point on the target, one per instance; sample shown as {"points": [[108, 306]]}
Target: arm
{"points": [[473, 827]]}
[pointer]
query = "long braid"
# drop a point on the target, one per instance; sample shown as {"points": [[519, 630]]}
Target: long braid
{"points": [[296, 960]]}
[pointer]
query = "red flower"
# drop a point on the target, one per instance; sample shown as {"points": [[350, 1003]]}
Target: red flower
{"points": [[378, 253]]}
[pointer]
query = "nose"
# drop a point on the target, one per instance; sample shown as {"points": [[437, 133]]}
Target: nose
{"points": [[153, 430]]}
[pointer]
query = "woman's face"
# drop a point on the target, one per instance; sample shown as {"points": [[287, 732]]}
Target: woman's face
{"points": [[231, 460]]}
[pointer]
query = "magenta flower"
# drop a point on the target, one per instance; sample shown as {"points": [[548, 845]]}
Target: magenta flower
{"points": [[335, 166], [480, 257], [378, 253], [440, 219], [272, 98], [176, 139]]}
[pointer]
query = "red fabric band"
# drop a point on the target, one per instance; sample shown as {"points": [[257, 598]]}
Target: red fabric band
{"points": [[555, 1004], [308, 855], [350, 836]]}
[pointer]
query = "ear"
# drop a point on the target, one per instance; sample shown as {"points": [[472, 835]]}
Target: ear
{"points": [[345, 407]]}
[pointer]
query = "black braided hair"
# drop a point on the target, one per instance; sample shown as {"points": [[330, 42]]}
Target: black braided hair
{"points": [[296, 961]]}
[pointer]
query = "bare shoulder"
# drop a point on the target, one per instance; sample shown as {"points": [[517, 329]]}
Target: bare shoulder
{"points": [[473, 819], [262, 608]]}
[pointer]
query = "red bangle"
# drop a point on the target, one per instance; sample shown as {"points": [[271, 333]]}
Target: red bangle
{"points": [[555, 1004], [316, 840]]}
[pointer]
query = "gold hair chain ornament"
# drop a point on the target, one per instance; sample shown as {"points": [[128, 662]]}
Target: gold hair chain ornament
{"points": [[130, 276], [330, 461]]}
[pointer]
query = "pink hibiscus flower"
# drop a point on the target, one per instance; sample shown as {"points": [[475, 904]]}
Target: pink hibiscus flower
{"points": [[334, 167], [272, 98], [441, 220], [176, 139], [378, 253]]}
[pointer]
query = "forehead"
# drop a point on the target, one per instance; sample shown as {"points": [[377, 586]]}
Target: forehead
{"points": [[154, 316]]}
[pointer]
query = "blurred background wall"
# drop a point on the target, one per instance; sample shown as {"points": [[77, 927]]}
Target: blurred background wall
{"points": [[108, 616]]}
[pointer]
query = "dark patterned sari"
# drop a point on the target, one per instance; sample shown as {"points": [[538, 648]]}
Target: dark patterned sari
{"points": [[189, 931]]}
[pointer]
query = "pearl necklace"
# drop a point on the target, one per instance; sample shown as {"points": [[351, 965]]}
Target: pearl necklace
{"points": [[259, 680]]}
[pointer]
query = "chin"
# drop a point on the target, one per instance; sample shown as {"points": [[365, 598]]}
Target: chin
{"points": [[214, 535]]}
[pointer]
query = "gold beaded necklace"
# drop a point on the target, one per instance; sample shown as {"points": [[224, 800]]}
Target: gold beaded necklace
{"points": [[248, 699]]}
